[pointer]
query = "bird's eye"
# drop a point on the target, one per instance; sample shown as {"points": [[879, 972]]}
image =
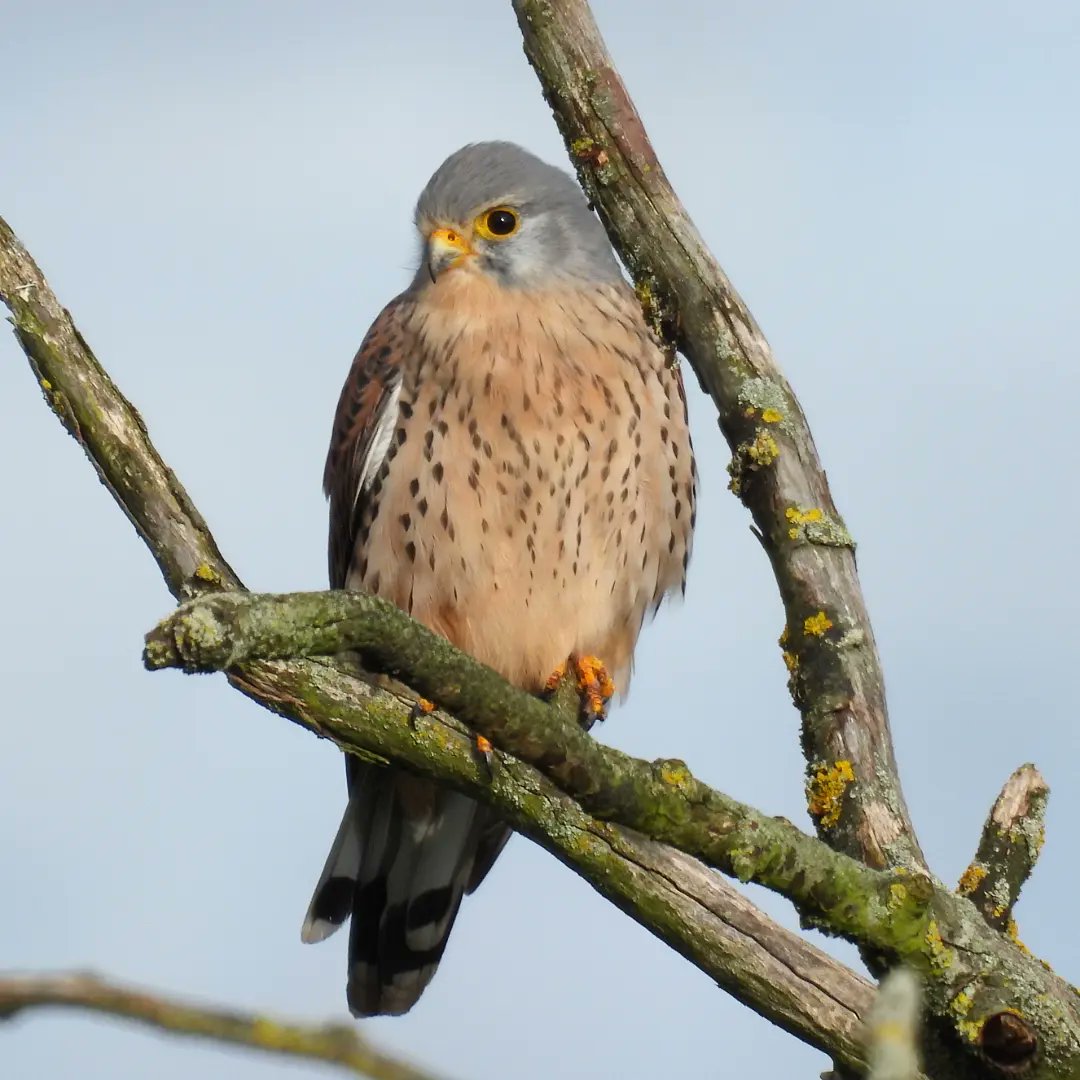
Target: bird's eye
{"points": [[497, 224]]}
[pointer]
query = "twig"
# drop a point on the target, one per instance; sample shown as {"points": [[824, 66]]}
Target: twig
{"points": [[337, 1044], [828, 645], [1008, 848]]}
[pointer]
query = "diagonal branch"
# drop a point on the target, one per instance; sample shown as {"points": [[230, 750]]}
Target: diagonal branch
{"points": [[782, 977], [336, 1044], [836, 679], [975, 976]]}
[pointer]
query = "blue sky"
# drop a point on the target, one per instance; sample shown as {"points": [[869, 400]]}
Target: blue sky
{"points": [[222, 195]]}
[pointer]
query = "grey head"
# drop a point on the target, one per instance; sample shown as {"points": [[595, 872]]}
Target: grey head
{"points": [[494, 208]]}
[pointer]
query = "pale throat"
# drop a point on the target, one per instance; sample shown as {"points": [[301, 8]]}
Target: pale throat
{"points": [[503, 336]]}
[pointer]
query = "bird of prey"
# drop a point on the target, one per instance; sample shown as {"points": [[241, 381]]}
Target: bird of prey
{"points": [[511, 465]]}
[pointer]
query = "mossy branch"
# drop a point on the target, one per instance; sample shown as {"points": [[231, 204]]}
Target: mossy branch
{"points": [[829, 649], [775, 972], [973, 975], [1008, 848], [335, 1044]]}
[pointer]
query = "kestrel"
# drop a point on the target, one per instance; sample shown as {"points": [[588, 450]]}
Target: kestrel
{"points": [[511, 465]]}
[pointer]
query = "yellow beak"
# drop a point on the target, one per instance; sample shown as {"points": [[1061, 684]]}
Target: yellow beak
{"points": [[446, 248]]}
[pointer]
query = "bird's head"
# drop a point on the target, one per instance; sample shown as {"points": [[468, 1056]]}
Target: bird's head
{"points": [[494, 209]]}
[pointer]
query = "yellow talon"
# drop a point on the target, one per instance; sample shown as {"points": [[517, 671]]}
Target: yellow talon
{"points": [[595, 684]]}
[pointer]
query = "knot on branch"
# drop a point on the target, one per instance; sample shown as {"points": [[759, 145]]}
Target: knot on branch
{"points": [[1009, 1042]]}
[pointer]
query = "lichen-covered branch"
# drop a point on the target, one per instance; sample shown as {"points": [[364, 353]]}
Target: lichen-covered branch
{"points": [[828, 646], [1008, 848], [770, 969], [105, 424], [973, 975], [336, 1044]]}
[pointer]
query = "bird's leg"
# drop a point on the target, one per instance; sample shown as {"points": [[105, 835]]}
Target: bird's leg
{"points": [[594, 686]]}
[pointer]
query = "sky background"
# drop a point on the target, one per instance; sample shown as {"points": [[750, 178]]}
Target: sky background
{"points": [[222, 195]]}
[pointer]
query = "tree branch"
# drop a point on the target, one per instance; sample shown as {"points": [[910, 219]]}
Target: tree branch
{"points": [[337, 1044], [1008, 848], [973, 974], [782, 977], [829, 648]]}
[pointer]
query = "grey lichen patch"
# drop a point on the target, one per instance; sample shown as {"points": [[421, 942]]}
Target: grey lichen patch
{"points": [[200, 639], [852, 639], [814, 526], [765, 397]]}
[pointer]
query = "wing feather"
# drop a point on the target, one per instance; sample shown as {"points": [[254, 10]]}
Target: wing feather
{"points": [[364, 423]]}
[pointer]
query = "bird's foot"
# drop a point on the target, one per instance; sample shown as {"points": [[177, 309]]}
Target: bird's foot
{"points": [[594, 685], [422, 707], [486, 753]]}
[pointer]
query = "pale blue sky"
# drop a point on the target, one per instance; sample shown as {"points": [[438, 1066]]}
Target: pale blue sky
{"points": [[222, 194]]}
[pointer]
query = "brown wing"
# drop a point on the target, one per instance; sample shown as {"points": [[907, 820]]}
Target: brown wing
{"points": [[363, 427]]}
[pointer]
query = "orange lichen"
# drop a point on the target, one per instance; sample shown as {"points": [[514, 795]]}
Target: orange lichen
{"points": [[1014, 935], [825, 792], [971, 878]]}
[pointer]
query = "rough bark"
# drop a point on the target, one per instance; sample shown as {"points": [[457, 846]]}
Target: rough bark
{"points": [[828, 644]]}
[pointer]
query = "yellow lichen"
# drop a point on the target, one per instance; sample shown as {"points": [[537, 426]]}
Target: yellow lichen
{"points": [[817, 625], [763, 450], [897, 895], [673, 772], [1014, 935], [772, 416], [970, 879], [205, 572], [581, 147], [940, 953], [750, 412], [799, 517], [791, 661], [825, 792], [46, 385], [960, 1006]]}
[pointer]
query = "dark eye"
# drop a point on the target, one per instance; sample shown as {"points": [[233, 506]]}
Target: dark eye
{"points": [[501, 222]]}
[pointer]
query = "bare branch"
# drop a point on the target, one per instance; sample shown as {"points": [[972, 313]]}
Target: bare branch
{"points": [[337, 1044], [829, 648], [1008, 848]]}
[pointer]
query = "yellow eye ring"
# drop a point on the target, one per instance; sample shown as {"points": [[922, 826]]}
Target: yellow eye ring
{"points": [[498, 223]]}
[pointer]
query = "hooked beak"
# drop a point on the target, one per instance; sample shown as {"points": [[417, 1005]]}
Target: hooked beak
{"points": [[445, 248]]}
